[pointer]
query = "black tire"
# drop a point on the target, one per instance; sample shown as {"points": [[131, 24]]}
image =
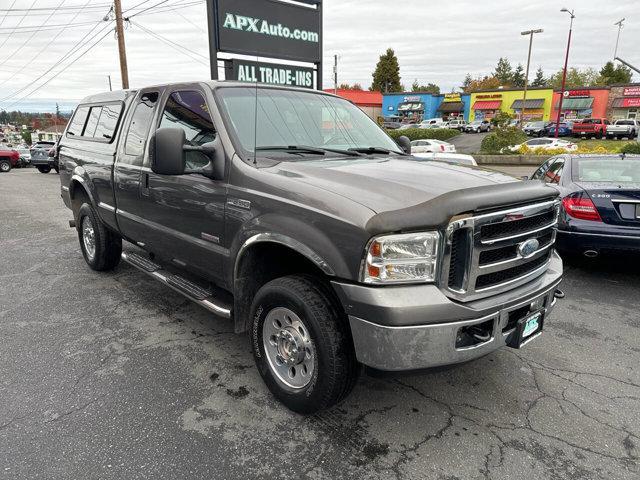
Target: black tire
{"points": [[335, 368], [43, 168], [107, 244], [5, 165], [56, 169]]}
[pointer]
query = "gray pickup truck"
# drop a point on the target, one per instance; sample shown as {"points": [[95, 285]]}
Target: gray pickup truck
{"points": [[294, 215]]}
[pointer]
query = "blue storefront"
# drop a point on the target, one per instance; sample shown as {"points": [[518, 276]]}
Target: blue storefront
{"points": [[421, 106]]}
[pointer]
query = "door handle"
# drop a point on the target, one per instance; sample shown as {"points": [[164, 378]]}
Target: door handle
{"points": [[145, 184]]}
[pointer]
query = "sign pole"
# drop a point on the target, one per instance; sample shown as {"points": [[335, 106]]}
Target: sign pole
{"points": [[212, 11], [319, 64]]}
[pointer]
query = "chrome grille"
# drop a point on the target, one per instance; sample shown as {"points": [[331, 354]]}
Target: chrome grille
{"points": [[482, 254]]}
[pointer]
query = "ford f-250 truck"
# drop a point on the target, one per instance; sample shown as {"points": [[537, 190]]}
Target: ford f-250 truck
{"points": [[293, 214]]}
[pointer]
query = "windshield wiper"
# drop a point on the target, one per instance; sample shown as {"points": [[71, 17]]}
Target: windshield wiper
{"points": [[373, 150], [308, 149]]}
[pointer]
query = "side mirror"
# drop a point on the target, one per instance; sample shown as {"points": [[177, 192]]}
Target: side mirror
{"points": [[166, 151], [405, 144]]}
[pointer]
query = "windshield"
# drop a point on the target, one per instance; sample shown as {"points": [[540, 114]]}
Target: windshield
{"points": [[608, 170], [289, 117]]}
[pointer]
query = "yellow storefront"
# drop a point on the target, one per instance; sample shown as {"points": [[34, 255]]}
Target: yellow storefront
{"points": [[485, 105]]}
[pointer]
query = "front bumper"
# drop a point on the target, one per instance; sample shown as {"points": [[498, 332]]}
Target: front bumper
{"points": [[417, 326]]}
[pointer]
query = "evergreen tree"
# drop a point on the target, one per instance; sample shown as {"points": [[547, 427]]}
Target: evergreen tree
{"points": [[517, 79], [503, 72], [429, 87], [610, 74], [386, 77], [539, 81]]}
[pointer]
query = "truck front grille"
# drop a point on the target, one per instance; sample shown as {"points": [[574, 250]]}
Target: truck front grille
{"points": [[483, 255]]}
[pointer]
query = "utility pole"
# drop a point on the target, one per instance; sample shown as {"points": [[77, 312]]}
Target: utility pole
{"points": [[526, 75], [619, 24], [564, 72], [124, 71], [335, 74], [109, 77]]}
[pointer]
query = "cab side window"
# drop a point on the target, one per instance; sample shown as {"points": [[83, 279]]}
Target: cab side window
{"points": [[136, 140], [187, 109], [554, 173]]}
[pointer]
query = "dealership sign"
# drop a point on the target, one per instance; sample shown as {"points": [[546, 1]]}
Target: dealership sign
{"points": [[270, 29], [277, 74]]}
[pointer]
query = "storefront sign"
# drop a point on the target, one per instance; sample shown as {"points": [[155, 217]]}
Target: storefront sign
{"points": [[413, 98], [631, 92], [276, 74], [576, 93], [631, 102], [269, 28], [493, 95], [451, 97]]}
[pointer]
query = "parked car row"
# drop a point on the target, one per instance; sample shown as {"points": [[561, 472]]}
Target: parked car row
{"points": [[585, 128], [41, 155]]}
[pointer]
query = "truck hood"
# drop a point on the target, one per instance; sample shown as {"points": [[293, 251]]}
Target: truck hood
{"points": [[384, 183]]}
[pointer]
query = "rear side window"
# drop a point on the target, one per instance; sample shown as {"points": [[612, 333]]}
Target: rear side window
{"points": [[92, 122], [108, 121], [139, 128], [77, 123]]}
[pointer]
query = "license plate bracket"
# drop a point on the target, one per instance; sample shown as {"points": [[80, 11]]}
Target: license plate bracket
{"points": [[528, 328]]}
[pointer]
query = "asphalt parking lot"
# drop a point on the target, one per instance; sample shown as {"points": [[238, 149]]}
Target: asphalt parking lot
{"points": [[115, 376], [468, 142]]}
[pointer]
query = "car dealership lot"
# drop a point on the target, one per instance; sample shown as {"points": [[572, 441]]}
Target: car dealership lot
{"points": [[115, 376]]}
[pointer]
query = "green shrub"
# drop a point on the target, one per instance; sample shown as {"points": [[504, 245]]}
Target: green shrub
{"points": [[501, 119], [424, 133], [501, 138], [631, 147]]}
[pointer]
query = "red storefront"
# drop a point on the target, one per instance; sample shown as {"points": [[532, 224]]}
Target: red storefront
{"points": [[625, 102], [369, 102], [581, 103]]}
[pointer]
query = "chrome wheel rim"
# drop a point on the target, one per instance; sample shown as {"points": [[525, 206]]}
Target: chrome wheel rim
{"points": [[88, 238], [4, 166], [288, 348]]}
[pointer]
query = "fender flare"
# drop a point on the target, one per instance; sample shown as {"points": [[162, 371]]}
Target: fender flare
{"points": [[75, 178]]}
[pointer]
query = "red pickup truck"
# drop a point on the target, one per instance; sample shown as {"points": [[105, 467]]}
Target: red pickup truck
{"points": [[8, 158], [590, 127]]}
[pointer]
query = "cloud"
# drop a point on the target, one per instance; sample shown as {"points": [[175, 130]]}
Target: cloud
{"points": [[436, 41]]}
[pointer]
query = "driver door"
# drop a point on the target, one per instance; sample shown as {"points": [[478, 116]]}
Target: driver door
{"points": [[187, 211]]}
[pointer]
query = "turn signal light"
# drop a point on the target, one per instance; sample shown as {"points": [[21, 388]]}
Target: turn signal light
{"points": [[581, 207]]}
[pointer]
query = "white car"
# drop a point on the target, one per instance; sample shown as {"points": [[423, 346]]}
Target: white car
{"points": [[407, 126], [433, 121], [545, 143], [459, 158], [431, 146]]}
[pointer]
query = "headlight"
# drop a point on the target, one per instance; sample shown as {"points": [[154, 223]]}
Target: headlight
{"points": [[404, 258]]}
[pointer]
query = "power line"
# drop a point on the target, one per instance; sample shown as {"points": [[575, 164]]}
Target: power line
{"points": [[172, 44], [62, 70], [5, 15], [62, 59], [40, 9], [15, 52], [148, 8], [167, 8], [35, 57], [30, 28], [21, 20]]}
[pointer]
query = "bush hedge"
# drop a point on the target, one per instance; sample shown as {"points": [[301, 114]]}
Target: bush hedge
{"points": [[424, 133], [501, 138], [632, 147]]}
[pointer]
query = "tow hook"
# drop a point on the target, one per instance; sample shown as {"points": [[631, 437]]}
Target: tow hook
{"points": [[558, 293]]}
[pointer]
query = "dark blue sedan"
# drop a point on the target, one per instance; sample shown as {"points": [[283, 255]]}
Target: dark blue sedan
{"points": [[565, 130], [600, 202]]}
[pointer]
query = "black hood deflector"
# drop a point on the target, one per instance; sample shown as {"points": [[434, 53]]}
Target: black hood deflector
{"points": [[437, 213]]}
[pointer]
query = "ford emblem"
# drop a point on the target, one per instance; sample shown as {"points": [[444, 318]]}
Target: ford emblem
{"points": [[528, 247]]}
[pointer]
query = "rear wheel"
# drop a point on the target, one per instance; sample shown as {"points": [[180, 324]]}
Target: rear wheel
{"points": [[44, 168], [5, 165], [100, 246], [302, 344]]}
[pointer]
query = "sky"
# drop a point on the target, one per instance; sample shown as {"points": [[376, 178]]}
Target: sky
{"points": [[435, 41]]}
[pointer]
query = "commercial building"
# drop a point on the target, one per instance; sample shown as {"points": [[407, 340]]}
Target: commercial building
{"points": [[369, 102], [418, 106], [486, 105], [624, 102], [580, 103]]}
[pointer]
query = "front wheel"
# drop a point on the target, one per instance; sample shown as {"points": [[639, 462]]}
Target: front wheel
{"points": [[100, 247], [302, 344], [5, 165], [43, 168]]}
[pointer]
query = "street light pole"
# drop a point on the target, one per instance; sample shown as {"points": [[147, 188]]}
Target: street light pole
{"points": [[619, 24], [564, 72], [526, 75]]}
